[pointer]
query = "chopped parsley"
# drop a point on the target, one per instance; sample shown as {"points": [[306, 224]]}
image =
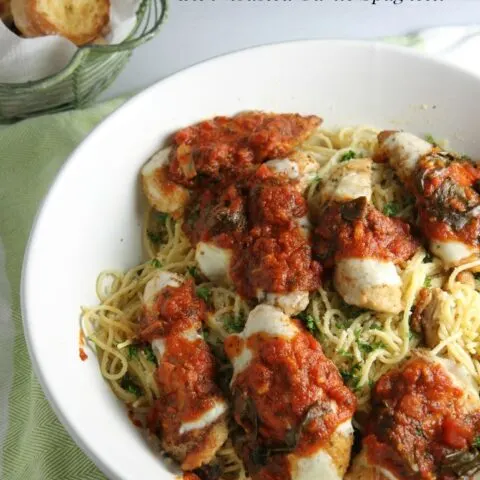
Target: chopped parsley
{"points": [[428, 282], [350, 377], [204, 293], [193, 272], [154, 237], [132, 351], [156, 263], [344, 353], [429, 138], [476, 442], [348, 156], [391, 209], [376, 326], [428, 258], [308, 321], [161, 217], [233, 323], [148, 351], [412, 336], [343, 324], [351, 311], [370, 347], [129, 385]]}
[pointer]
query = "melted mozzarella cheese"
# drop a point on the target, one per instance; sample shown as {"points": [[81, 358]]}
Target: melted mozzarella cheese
{"points": [[404, 151], [345, 428], [158, 283], [318, 465], [369, 283], [348, 181], [462, 379], [271, 321], [452, 253], [214, 262], [284, 166], [206, 419], [262, 319], [291, 303], [159, 346]]}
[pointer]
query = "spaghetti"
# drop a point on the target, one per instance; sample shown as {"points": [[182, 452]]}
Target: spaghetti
{"points": [[363, 344]]}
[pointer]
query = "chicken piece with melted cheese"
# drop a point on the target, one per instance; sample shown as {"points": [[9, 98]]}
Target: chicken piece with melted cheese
{"points": [[446, 190], [425, 417], [361, 244], [190, 415], [349, 180], [299, 166], [162, 193], [255, 236], [290, 401]]}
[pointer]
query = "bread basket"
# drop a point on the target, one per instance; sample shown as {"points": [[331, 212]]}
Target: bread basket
{"points": [[92, 69]]}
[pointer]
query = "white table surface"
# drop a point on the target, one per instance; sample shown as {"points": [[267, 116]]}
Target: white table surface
{"points": [[199, 29]]}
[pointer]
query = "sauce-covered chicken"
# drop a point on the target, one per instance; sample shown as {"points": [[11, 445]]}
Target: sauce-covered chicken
{"points": [[446, 190], [189, 416], [289, 400], [424, 423], [360, 243], [249, 222]]}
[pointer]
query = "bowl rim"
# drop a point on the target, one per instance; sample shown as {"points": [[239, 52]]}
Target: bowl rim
{"points": [[98, 131], [84, 51]]}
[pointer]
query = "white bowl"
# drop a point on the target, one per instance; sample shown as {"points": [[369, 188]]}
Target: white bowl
{"points": [[91, 218]]}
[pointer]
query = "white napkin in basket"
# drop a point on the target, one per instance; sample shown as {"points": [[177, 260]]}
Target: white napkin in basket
{"points": [[28, 59]]}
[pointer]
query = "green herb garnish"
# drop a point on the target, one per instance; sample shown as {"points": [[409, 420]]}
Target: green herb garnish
{"points": [[391, 209], [154, 237], [308, 321], [156, 263], [132, 351], [429, 138], [233, 323], [148, 351], [428, 282], [193, 272], [428, 258], [344, 353], [204, 293], [476, 442], [129, 385], [370, 347], [161, 217], [348, 156]]}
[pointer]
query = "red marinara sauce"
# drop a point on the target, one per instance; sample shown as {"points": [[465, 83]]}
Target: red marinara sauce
{"points": [[225, 147], [358, 229], [259, 218], [448, 199], [418, 418], [291, 385], [175, 310], [185, 378]]}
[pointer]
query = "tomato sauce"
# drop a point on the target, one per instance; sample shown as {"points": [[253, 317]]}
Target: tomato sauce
{"points": [[448, 199], [417, 420], [81, 344], [226, 147], [357, 229], [284, 397], [185, 378], [175, 310], [260, 217]]}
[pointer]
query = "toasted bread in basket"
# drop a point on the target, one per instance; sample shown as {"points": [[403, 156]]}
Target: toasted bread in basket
{"points": [[81, 21], [5, 12]]}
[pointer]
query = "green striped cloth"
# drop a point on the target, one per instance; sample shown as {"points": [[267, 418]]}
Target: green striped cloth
{"points": [[33, 444]]}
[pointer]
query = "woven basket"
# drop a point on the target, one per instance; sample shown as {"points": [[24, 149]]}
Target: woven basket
{"points": [[92, 69]]}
